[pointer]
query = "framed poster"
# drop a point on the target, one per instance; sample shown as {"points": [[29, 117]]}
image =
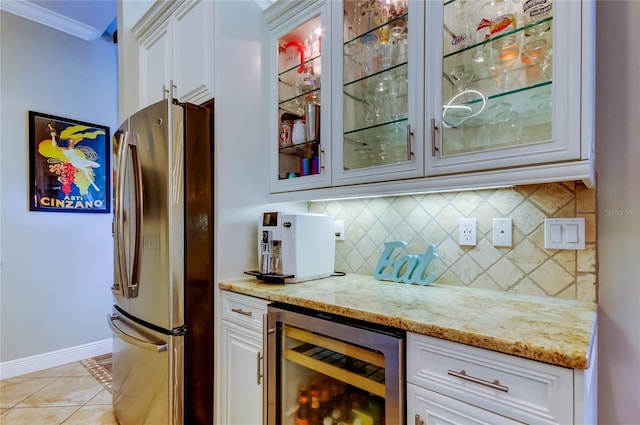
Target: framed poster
{"points": [[69, 165]]}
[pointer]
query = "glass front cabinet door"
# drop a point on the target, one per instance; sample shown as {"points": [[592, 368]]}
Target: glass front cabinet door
{"points": [[510, 84], [377, 128], [299, 130]]}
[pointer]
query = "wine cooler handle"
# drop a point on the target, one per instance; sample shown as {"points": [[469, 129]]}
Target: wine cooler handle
{"points": [[418, 420]]}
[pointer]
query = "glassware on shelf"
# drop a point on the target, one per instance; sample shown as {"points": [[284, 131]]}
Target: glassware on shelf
{"points": [[538, 51], [536, 11], [459, 26], [461, 76], [398, 8], [398, 97], [500, 57], [384, 32], [298, 135], [370, 103], [401, 51], [496, 18], [509, 126], [542, 101]]}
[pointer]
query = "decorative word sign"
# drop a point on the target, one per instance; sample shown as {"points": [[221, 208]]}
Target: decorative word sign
{"points": [[407, 268]]}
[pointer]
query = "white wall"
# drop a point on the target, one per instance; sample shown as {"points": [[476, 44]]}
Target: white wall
{"points": [[618, 165], [56, 268], [242, 151]]}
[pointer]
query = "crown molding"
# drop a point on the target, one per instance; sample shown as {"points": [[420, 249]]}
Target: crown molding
{"points": [[49, 18]]}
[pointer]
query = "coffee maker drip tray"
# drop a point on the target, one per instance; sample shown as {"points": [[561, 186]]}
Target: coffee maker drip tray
{"points": [[270, 277]]}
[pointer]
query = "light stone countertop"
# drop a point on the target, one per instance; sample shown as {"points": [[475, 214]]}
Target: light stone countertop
{"points": [[546, 329]]}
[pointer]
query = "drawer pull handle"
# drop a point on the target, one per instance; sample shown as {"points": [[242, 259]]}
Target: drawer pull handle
{"points": [[241, 311], [463, 375], [418, 420]]}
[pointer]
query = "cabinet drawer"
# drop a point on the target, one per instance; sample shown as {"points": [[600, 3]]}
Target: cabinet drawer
{"points": [[429, 407], [243, 310], [522, 389]]}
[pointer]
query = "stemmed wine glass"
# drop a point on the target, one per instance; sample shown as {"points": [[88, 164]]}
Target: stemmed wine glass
{"points": [[539, 52], [501, 55], [461, 76]]}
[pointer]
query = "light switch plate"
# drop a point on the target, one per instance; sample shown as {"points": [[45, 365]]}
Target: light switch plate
{"points": [[564, 233]]}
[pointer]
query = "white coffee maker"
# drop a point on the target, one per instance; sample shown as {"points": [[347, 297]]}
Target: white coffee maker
{"points": [[294, 247]]}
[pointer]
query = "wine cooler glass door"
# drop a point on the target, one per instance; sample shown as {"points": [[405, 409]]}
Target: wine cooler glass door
{"points": [[321, 372]]}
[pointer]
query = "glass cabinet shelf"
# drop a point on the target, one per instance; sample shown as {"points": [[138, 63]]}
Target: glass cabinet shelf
{"points": [[525, 101], [396, 22], [301, 150], [377, 131], [358, 87], [294, 69], [296, 104]]}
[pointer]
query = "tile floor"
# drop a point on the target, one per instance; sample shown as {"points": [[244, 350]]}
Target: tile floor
{"points": [[63, 395]]}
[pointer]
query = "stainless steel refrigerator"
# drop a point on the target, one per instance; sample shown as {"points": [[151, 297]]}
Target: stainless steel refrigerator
{"points": [[162, 319]]}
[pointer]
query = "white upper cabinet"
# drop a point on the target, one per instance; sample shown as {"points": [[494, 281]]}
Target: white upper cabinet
{"points": [[176, 52], [433, 95], [299, 117], [193, 51], [377, 69], [508, 85], [156, 63]]}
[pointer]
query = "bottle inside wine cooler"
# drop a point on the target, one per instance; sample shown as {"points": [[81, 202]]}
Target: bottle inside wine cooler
{"points": [[304, 410]]}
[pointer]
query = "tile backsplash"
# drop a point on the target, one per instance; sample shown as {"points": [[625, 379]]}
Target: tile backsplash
{"points": [[422, 220]]}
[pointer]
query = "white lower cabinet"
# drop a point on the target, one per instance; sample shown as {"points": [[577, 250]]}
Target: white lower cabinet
{"points": [[430, 408], [242, 366], [450, 382]]}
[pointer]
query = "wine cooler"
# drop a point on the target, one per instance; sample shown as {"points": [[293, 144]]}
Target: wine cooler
{"points": [[329, 369]]}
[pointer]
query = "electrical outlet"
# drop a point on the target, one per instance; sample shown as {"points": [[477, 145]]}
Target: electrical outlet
{"points": [[339, 230], [502, 232], [467, 231]]}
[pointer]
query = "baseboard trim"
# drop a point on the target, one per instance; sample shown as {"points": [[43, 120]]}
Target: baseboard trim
{"points": [[38, 362]]}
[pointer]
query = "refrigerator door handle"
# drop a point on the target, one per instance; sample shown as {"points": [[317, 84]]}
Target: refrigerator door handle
{"points": [[119, 272], [130, 282], [137, 176], [147, 345]]}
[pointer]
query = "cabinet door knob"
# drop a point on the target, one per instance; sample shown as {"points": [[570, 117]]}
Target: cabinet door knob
{"points": [[418, 420]]}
